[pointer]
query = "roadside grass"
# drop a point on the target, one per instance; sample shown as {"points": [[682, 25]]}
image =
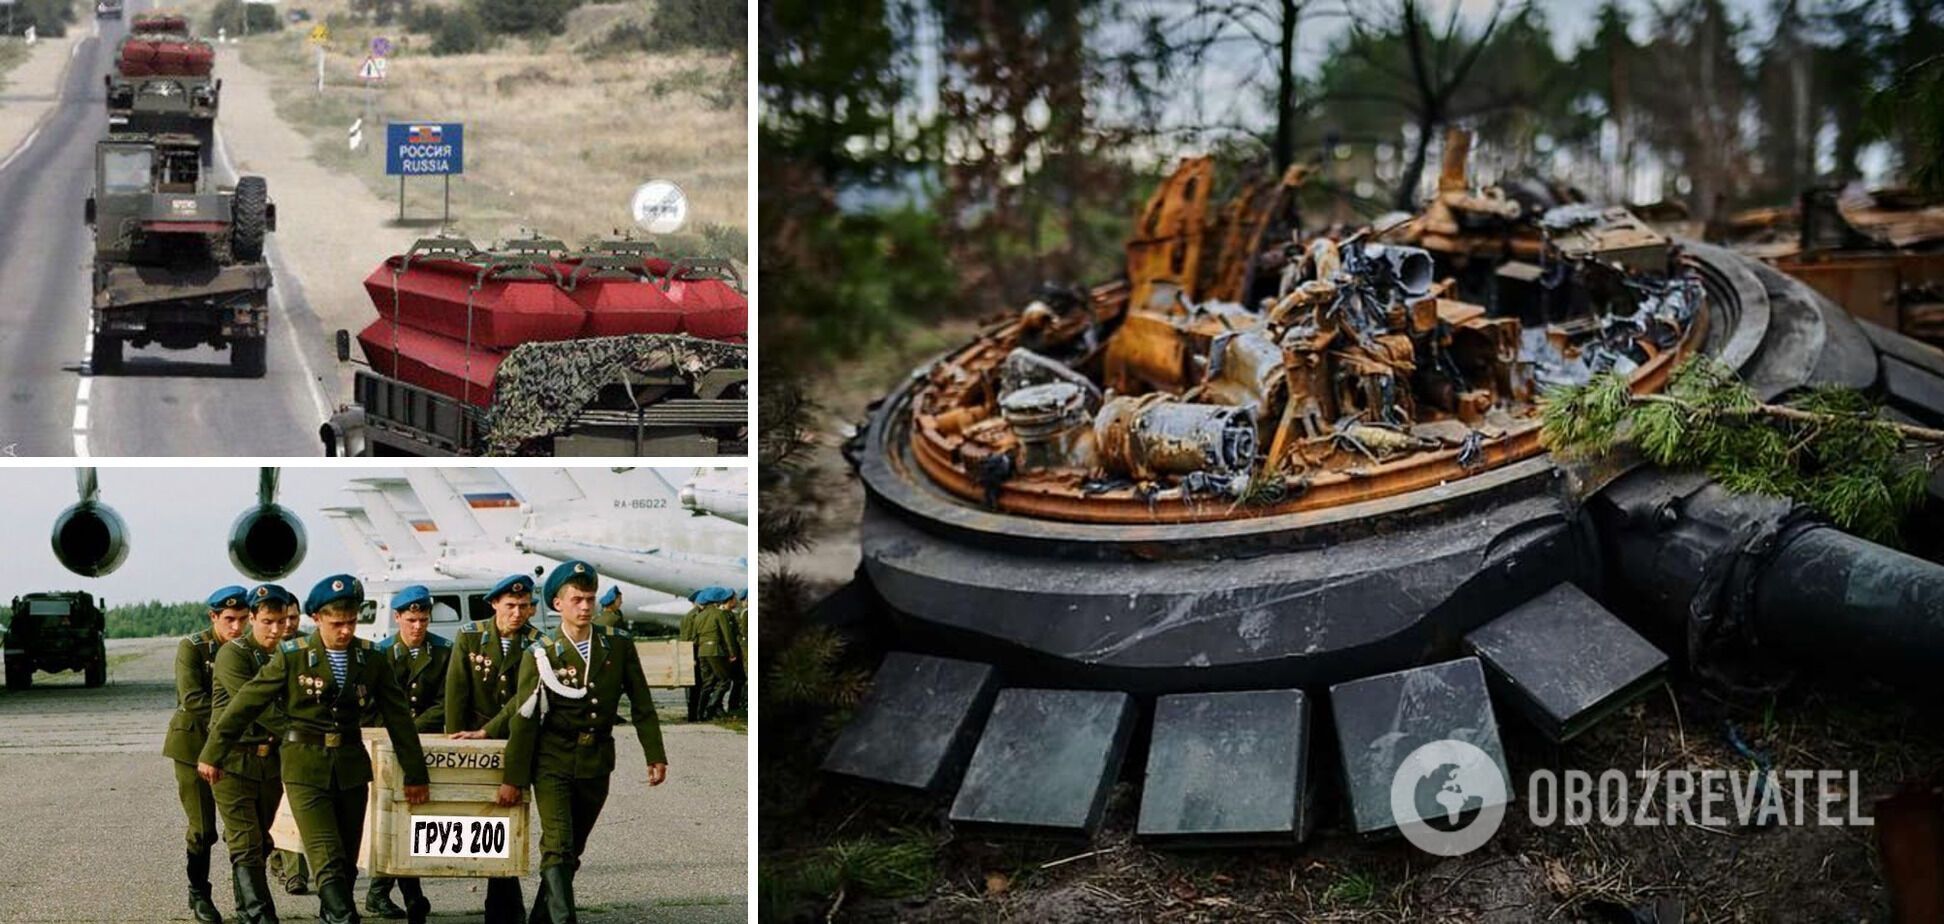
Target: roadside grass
{"points": [[902, 862], [12, 53], [557, 135]]}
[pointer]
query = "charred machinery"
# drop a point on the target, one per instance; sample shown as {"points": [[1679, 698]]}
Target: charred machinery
{"points": [[1274, 470]]}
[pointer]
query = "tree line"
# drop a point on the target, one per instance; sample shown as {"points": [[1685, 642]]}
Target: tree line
{"points": [[923, 158]]}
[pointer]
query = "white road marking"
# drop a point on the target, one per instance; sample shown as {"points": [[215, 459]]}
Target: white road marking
{"points": [[20, 149]]}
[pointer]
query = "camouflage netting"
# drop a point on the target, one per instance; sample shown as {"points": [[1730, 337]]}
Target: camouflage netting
{"points": [[540, 387]]}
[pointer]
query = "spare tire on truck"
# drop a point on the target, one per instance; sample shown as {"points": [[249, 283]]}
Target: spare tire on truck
{"points": [[249, 219]]}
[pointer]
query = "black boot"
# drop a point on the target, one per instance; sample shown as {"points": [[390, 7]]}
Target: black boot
{"points": [[539, 914], [378, 901], [334, 902], [558, 883], [199, 901], [505, 903], [253, 902], [417, 908]]}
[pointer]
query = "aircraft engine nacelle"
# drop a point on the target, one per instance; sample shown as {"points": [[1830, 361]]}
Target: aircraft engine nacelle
{"points": [[90, 539], [267, 542]]}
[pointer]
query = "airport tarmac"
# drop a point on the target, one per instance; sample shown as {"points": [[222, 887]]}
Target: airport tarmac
{"points": [[93, 832]]}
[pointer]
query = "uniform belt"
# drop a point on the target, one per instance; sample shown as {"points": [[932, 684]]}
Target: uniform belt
{"points": [[582, 737], [325, 740], [264, 747]]}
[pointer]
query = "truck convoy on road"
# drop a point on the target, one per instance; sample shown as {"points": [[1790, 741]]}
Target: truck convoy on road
{"points": [[178, 258]]}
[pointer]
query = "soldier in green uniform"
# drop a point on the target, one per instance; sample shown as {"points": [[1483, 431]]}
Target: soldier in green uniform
{"points": [[479, 698], [418, 662], [715, 650], [252, 782], [562, 737], [610, 615], [288, 866], [686, 633], [324, 683], [189, 728], [739, 668]]}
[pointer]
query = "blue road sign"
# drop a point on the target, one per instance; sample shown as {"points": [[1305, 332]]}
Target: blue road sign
{"points": [[425, 148]]}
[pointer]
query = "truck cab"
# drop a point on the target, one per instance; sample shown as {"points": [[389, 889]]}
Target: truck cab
{"points": [[56, 632], [178, 258]]}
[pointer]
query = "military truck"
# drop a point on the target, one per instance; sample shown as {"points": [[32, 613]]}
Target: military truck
{"points": [[56, 632], [108, 9], [178, 259], [529, 348]]}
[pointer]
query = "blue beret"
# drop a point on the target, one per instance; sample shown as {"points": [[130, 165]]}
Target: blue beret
{"points": [[613, 594], [565, 570], [511, 584], [271, 593], [709, 595], [416, 593], [331, 589], [742, 593], [226, 597]]}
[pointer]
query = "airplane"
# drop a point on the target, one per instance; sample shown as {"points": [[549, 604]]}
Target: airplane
{"points": [[266, 541], [459, 530], [658, 548], [723, 493]]}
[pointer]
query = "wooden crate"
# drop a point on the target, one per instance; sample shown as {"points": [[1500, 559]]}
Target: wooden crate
{"points": [[667, 662], [465, 776]]}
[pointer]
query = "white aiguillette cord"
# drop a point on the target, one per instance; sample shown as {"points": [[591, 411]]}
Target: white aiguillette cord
{"points": [[536, 705]]}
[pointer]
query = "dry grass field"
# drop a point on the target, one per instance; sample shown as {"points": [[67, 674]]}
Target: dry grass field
{"points": [[559, 131]]}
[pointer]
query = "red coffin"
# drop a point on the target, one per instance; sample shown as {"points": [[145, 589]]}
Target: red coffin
{"points": [[711, 309], [432, 295], [159, 22], [431, 361], [626, 306], [143, 57]]}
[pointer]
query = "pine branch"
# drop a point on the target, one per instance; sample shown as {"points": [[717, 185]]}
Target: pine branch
{"points": [[1910, 432]]}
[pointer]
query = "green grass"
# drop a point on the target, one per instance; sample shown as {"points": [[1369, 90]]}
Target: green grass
{"points": [[1351, 888], [903, 863]]}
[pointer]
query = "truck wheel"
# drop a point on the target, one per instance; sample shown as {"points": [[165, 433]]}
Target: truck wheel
{"points": [[249, 219], [107, 359], [248, 357], [98, 669], [19, 674]]}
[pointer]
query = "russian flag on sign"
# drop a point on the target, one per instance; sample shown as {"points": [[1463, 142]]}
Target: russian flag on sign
{"points": [[426, 134]]}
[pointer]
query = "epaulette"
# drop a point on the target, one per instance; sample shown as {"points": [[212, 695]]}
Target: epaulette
{"points": [[605, 630], [364, 643], [291, 644], [478, 627], [193, 638], [540, 646], [386, 643], [438, 641]]}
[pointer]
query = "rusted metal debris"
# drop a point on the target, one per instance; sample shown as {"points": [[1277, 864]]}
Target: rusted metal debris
{"points": [[1877, 253], [1245, 368]]}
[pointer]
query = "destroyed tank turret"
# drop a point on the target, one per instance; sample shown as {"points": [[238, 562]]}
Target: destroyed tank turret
{"points": [[1268, 473]]}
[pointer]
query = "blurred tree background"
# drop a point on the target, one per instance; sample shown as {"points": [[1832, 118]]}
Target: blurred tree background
{"points": [[922, 159]]}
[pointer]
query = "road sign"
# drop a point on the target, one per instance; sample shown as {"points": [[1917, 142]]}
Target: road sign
{"points": [[659, 207], [320, 34], [357, 134], [381, 47], [373, 69], [425, 148]]}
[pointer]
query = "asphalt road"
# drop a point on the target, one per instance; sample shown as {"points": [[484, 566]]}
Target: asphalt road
{"points": [[167, 402], [94, 833]]}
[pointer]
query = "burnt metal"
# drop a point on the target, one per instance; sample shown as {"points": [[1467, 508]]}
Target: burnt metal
{"points": [[1912, 388], [1565, 661], [1228, 768], [918, 725], [1046, 762], [1380, 720]]}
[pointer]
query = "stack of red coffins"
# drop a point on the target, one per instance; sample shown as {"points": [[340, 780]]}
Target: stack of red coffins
{"points": [[448, 316], [159, 45]]}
